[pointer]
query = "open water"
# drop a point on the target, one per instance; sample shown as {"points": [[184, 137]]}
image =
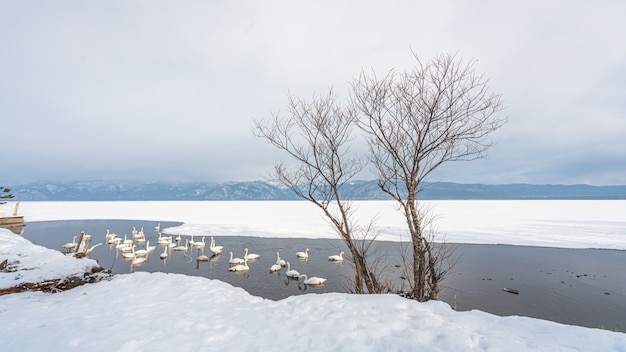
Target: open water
{"points": [[572, 286]]}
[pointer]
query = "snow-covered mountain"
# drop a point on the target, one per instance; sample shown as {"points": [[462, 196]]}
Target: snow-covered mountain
{"points": [[260, 190]]}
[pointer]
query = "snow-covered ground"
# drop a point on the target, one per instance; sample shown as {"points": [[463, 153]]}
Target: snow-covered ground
{"points": [[158, 311]]}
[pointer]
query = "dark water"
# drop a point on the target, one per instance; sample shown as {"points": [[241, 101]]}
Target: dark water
{"points": [[571, 286]]}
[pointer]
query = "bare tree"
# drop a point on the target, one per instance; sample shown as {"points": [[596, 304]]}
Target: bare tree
{"points": [[415, 121], [440, 251], [315, 134]]}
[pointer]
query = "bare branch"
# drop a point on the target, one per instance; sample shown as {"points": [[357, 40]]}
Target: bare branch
{"points": [[316, 135], [416, 121]]}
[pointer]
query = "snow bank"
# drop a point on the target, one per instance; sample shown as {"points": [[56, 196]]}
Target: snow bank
{"points": [[29, 263], [158, 311], [173, 312]]}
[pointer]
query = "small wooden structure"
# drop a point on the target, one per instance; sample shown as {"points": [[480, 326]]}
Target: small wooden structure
{"points": [[13, 222]]}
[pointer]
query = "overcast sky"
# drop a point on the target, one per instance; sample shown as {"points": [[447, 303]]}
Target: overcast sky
{"points": [[168, 90]]}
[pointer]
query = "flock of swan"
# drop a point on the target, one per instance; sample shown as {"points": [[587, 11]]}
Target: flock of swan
{"points": [[137, 249], [82, 247]]}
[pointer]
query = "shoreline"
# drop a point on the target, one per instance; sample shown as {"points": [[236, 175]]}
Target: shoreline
{"points": [[544, 277]]}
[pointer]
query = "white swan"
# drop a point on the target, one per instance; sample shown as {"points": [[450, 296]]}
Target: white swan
{"points": [[336, 258], [240, 267], [304, 254], [149, 248], [235, 260], [139, 235], [181, 247], [292, 273], [110, 237], [201, 257], [313, 280], [125, 246], [158, 228], [164, 240], [130, 254], [138, 260], [71, 245], [141, 252], [119, 241], [199, 244], [113, 239], [164, 254], [280, 261], [93, 247], [215, 249], [250, 256], [275, 267], [120, 246]]}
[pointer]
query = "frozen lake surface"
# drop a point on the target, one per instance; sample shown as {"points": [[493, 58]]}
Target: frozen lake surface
{"points": [[540, 223]]}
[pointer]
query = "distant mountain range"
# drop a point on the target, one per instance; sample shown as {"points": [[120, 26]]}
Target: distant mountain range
{"points": [[259, 190]]}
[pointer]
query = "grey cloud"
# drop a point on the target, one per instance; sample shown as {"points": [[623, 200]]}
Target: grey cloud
{"points": [[162, 90]]}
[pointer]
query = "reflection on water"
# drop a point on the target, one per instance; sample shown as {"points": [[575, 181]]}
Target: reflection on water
{"points": [[579, 287], [177, 257], [16, 229]]}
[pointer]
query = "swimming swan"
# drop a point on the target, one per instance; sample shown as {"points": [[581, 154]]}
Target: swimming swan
{"points": [[109, 235], [251, 255], [181, 247], [142, 252], [164, 240], [275, 267], [138, 260], [292, 273], [164, 254], [139, 235], [336, 258], [71, 245], [130, 254], [215, 249], [113, 239], [235, 260], [124, 246], [313, 280], [93, 247], [304, 254], [280, 261], [240, 267], [127, 240], [199, 244]]}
